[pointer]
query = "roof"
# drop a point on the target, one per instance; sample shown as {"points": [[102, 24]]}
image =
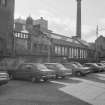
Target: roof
{"points": [[63, 40], [20, 20]]}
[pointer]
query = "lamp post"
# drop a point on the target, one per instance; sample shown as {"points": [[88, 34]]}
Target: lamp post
{"points": [[97, 34], [78, 26], [96, 43], [49, 46]]}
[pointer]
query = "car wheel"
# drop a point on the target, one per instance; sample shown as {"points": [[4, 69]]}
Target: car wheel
{"points": [[56, 76], [33, 79], [78, 73], [45, 79], [63, 77], [11, 77]]}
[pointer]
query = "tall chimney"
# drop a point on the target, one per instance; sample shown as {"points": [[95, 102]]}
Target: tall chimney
{"points": [[78, 26]]}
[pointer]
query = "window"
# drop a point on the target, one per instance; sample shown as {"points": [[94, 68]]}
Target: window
{"points": [[56, 49], [62, 50], [77, 52], [65, 51], [70, 55], [59, 50]]}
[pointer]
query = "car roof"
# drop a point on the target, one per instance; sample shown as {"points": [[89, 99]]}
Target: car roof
{"points": [[31, 63], [89, 63], [52, 63]]}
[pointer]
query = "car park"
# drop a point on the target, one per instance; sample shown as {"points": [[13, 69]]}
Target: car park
{"points": [[4, 77], [77, 68], [61, 70], [94, 67], [33, 72]]}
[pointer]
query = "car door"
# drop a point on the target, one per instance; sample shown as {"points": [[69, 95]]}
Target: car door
{"points": [[27, 71], [23, 71], [18, 74]]}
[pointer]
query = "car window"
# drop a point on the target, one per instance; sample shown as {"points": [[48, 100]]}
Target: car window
{"points": [[68, 65], [99, 64], [50, 66], [41, 66], [28, 69], [25, 67], [60, 66], [95, 64], [87, 65], [78, 64], [74, 65]]}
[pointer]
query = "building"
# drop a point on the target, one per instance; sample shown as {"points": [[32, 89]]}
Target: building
{"points": [[6, 27], [31, 24], [43, 24], [100, 47], [45, 45]]}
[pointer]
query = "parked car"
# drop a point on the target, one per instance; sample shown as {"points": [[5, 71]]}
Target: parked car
{"points": [[4, 77], [102, 61], [94, 67], [60, 70], [102, 65], [33, 72], [77, 68]]}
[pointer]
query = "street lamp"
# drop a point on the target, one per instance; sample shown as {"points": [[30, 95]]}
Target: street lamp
{"points": [[96, 43]]}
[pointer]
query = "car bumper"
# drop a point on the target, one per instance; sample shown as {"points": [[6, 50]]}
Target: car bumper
{"points": [[86, 71], [49, 76], [3, 81], [67, 74]]}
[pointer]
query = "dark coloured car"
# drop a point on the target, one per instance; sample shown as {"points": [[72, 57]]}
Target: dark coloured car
{"points": [[94, 67], [77, 68], [33, 72], [4, 77], [60, 70]]}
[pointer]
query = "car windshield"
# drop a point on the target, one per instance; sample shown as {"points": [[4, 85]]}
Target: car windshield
{"points": [[41, 66], [60, 66], [94, 64], [79, 65], [75, 65], [99, 64]]}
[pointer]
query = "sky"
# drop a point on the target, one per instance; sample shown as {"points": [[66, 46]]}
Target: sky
{"points": [[61, 15]]}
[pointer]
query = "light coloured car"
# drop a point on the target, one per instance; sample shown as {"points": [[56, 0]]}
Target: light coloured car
{"points": [[94, 67], [4, 77], [61, 70], [102, 65], [77, 68]]}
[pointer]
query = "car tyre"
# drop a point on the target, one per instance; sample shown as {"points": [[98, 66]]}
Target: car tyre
{"points": [[78, 74], [33, 79], [63, 77], [11, 77], [45, 79], [56, 76]]}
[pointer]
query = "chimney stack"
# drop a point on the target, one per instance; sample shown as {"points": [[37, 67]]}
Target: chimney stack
{"points": [[78, 26]]}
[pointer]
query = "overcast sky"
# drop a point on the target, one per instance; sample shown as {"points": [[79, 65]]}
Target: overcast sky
{"points": [[61, 15]]}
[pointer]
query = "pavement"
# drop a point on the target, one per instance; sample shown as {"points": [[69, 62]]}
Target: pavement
{"points": [[90, 89]]}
